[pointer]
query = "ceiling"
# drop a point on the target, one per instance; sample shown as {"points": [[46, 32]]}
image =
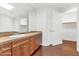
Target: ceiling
{"points": [[21, 9]]}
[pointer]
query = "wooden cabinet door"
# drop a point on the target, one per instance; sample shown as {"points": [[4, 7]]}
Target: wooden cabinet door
{"points": [[25, 48], [16, 47], [5, 49], [16, 51], [32, 45]]}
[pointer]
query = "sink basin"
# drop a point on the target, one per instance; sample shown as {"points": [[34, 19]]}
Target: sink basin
{"points": [[16, 36], [13, 36]]}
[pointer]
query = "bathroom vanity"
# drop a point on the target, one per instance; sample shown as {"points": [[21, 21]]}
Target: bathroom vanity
{"points": [[24, 44]]}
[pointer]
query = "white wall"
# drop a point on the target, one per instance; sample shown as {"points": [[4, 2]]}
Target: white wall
{"points": [[16, 24], [9, 22], [46, 20], [70, 31], [42, 25], [78, 29], [56, 27], [5, 23], [32, 21], [38, 22]]}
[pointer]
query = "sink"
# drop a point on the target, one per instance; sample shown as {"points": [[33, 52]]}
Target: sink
{"points": [[13, 36], [16, 36]]}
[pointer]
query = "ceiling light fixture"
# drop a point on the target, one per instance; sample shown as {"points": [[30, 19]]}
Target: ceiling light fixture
{"points": [[6, 5]]}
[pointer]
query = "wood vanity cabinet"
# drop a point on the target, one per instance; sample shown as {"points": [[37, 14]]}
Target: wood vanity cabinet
{"points": [[23, 46], [5, 49]]}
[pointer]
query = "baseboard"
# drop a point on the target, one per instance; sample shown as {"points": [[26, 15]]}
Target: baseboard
{"points": [[45, 44], [58, 43]]}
